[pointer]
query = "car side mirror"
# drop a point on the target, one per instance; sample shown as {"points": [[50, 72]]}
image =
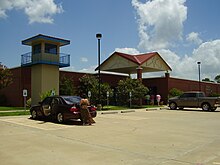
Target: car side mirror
{"points": [[40, 102]]}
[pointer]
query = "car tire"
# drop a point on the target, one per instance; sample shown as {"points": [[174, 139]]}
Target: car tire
{"points": [[59, 117], [173, 106], [205, 107], [34, 114]]}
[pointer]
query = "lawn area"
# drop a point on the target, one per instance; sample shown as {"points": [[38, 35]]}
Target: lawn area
{"points": [[11, 108], [17, 113], [13, 111]]}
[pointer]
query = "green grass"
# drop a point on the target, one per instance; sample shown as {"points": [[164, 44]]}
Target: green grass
{"points": [[111, 107], [17, 113], [11, 108]]}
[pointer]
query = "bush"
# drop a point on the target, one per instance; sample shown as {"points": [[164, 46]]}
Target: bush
{"points": [[28, 103], [46, 94], [214, 95], [175, 92]]}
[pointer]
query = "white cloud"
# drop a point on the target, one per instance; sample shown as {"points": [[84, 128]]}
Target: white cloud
{"points": [[208, 53], [184, 67], [40, 11], [84, 59], [160, 22], [127, 50], [193, 37], [91, 69], [160, 25]]}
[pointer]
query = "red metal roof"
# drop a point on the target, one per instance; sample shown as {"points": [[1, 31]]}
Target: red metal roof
{"points": [[138, 59]]}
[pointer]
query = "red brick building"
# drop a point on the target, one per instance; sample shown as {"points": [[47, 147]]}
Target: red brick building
{"points": [[22, 80], [159, 85]]}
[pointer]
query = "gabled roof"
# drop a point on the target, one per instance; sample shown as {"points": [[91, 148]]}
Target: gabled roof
{"points": [[126, 63], [139, 59]]}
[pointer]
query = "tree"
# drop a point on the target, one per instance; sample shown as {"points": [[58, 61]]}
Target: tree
{"points": [[46, 94], [175, 92], [207, 80], [217, 78], [5, 78], [87, 83], [137, 89], [91, 83], [66, 86]]}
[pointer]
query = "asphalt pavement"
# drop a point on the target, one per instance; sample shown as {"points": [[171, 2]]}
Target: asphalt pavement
{"points": [[138, 137]]}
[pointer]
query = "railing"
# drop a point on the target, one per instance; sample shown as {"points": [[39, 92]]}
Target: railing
{"points": [[27, 59], [64, 60]]}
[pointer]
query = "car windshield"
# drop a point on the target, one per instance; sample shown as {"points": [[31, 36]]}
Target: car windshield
{"points": [[72, 99]]}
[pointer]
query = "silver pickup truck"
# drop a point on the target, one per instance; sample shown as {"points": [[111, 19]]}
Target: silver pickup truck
{"points": [[194, 100]]}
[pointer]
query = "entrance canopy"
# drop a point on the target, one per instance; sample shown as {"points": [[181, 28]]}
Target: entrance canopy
{"points": [[130, 64]]}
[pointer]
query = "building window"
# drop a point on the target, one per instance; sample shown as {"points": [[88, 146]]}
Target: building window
{"points": [[50, 48], [37, 49]]}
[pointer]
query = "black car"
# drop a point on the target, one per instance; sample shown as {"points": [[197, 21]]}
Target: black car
{"points": [[60, 108]]}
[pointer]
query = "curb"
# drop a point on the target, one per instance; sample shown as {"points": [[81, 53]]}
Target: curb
{"points": [[127, 111], [103, 113], [159, 108]]}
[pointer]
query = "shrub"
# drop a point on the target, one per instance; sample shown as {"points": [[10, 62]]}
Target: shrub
{"points": [[175, 92]]}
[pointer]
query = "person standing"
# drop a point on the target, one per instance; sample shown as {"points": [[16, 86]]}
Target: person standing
{"points": [[147, 97], [85, 115], [152, 99], [158, 97]]}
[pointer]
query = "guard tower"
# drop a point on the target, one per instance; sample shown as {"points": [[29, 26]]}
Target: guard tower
{"points": [[45, 60]]}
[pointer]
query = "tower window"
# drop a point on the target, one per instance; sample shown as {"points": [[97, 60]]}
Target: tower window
{"points": [[50, 48], [37, 49]]}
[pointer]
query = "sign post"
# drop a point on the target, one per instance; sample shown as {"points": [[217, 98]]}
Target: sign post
{"points": [[53, 93], [130, 95], [25, 95], [107, 94], [89, 95]]}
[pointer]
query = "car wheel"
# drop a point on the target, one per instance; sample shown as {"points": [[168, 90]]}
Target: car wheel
{"points": [[34, 114], [205, 107], [60, 117], [173, 106]]}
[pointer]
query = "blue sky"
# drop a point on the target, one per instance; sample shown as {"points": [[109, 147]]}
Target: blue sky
{"points": [[182, 31]]}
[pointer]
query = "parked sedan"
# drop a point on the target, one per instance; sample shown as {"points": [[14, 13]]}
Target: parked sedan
{"points": [[60, 108]]}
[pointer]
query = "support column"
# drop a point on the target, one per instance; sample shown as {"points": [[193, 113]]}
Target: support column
{"points": [[139, 73]]}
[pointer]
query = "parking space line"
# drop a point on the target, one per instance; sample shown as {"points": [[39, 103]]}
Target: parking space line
{"points": [[123, 116], [36, 124]]}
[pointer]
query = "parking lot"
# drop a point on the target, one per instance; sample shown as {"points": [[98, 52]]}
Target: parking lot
{"points": [[136, 138]]}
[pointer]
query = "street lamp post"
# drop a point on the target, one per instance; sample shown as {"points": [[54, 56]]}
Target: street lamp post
{"points": [[99, 36], [199, 63]]}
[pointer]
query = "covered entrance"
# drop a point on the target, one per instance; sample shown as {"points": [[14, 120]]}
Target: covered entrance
{"points": [[131, 64]]}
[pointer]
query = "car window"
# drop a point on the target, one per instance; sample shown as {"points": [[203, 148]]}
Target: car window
{"points": [[201, 95], [187, 95], [47, 101], [55, 101], [72, 99]]}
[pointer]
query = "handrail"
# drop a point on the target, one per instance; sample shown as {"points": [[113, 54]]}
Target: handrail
{"points": [[28, 60]]}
